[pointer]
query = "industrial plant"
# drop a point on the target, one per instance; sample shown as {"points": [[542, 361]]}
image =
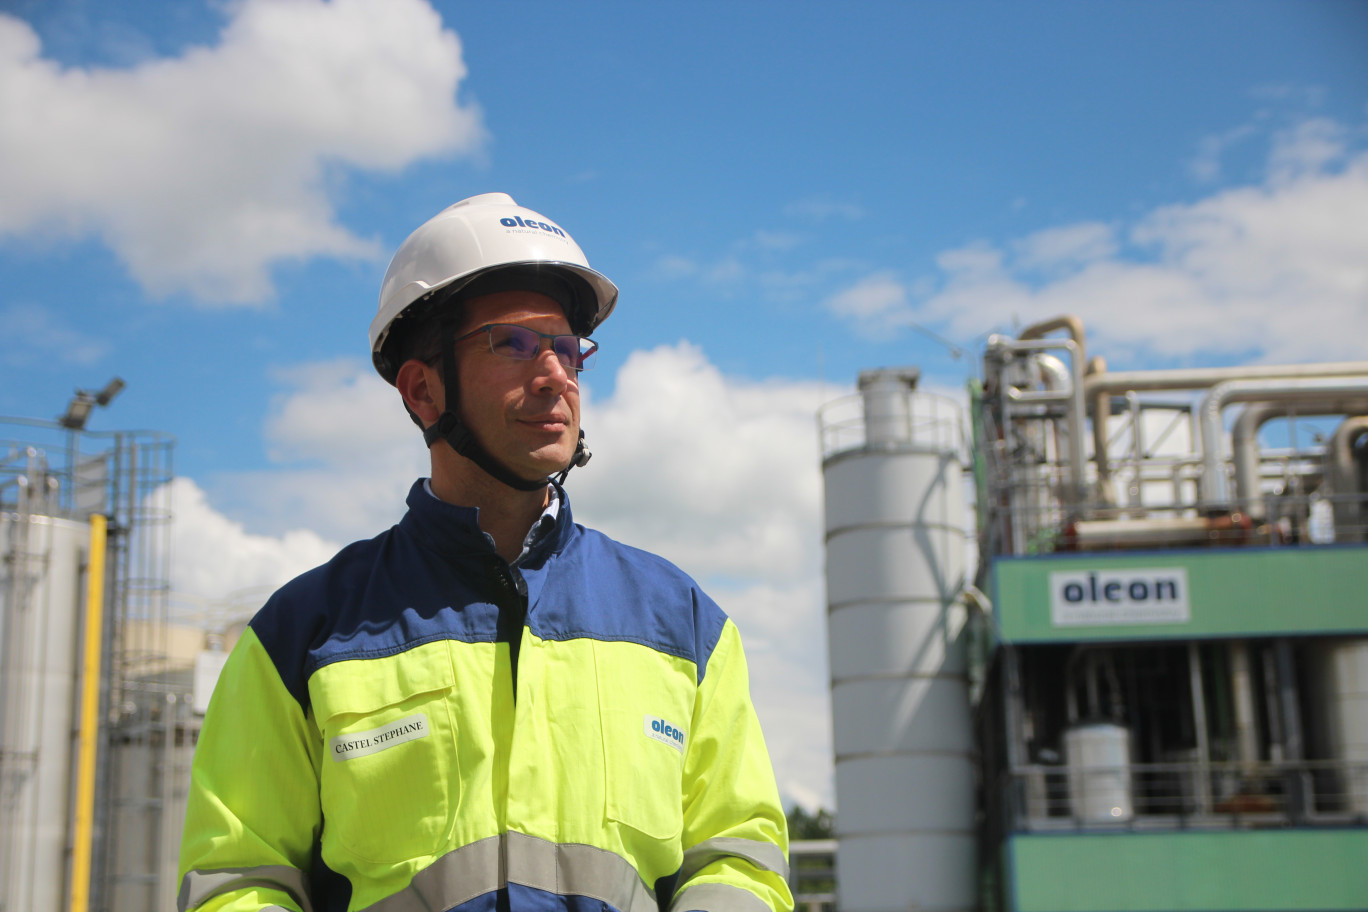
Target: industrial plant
{"points": [[1138, 678], [97, 718], [1098, 640]]}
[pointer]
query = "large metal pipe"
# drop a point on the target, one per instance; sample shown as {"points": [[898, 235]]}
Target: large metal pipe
{"points": [[1199, 725], [1242, 694], [1348, 493], [1054, 373], [1244, 439], [90, 715], [1077, 452], [1100, 385], [1206, 377], [1072, 398], [1101, 417], [1066, 321], [1298, 786], [1272, 712], [1215, 489]]}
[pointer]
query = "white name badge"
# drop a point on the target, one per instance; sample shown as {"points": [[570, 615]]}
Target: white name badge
{"points": [[360, 744]]}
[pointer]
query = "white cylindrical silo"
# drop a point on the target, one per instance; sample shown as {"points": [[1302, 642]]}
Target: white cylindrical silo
{"points": [[905, 766], [40, 628]]}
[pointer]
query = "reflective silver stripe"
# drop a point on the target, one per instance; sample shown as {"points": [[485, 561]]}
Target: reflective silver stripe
{"points": [[577, 870], [764, 855], [487, 865], [198, 887], [455, 878], [716, 897]]}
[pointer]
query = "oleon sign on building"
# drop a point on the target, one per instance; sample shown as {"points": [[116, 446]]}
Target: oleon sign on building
{"points": [[1143, 595], [1162, 594]]}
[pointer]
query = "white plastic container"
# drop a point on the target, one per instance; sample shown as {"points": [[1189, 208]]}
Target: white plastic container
{"points": [[1099, 771]]}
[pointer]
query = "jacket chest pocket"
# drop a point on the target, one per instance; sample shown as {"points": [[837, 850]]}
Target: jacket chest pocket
{"points": [[646, 707], [389, 782]]}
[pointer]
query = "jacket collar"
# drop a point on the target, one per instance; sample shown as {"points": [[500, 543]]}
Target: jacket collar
{"points": [[454, 531]]}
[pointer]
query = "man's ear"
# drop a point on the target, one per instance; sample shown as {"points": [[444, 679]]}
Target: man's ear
{"points": [[422, 390]]}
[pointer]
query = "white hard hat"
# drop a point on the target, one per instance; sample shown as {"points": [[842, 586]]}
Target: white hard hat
{"points": [[476, 237]]}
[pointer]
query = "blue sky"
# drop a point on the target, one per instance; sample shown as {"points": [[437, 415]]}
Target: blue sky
{"points": [[202, 198]]}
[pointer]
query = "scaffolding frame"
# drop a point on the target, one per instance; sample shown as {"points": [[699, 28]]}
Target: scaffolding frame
{"points": [[47, 469]]}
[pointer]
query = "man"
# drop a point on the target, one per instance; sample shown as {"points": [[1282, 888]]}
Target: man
{"points": [[487, 707]]}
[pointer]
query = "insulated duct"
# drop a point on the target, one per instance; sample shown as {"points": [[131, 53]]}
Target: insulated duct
{"points": [[1101, 385], [1244, 439], [1077, 408], [1215, 487], [1349, 493], [1004, 349]]}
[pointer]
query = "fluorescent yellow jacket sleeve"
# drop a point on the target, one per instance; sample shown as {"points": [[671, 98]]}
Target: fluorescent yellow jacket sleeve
{"points": [[735, 832], [253, 810]]}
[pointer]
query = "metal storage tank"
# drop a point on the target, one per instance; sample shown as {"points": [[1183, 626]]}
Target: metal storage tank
{"points": [[153, 748], [895, 547], [41, 585]]}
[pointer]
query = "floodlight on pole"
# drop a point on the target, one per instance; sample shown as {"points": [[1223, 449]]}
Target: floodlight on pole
{"points": [[111, 389], [84, 402]]}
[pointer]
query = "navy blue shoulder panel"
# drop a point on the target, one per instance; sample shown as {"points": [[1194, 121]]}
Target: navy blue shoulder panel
{"points": [[604, 590], [297, 617], [375, 598], [429, 578]]}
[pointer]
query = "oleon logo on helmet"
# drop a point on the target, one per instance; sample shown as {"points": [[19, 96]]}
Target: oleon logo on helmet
{"points": [[517, 222], [665, 732]]}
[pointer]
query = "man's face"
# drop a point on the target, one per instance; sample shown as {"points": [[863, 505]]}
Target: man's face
{"points": [[526, 414]]}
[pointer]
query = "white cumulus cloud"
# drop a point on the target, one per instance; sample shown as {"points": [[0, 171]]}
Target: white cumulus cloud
{"points": [[1067, 246], [202, 170], [720, 475], [1273, 271], [213, 558], [875, 304], [346, 453], [45, 336]]}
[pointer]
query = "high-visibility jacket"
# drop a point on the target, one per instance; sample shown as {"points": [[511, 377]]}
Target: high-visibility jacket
{"points": [[419, 725]]}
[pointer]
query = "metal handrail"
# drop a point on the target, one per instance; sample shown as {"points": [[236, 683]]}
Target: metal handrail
{"points": [[1152, 796], [813, 886]]}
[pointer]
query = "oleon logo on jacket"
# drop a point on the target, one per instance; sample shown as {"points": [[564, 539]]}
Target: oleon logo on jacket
{"points": [[665, 732]]}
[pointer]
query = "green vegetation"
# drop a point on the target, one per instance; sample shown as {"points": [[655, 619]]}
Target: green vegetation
{"points": [[803, 825]]}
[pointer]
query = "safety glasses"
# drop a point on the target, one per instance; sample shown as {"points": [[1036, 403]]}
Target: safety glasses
{"points": [[522, 344]]}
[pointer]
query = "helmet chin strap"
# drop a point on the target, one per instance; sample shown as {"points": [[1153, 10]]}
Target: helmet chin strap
{"points": [[459, 437], [581, 457]]}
